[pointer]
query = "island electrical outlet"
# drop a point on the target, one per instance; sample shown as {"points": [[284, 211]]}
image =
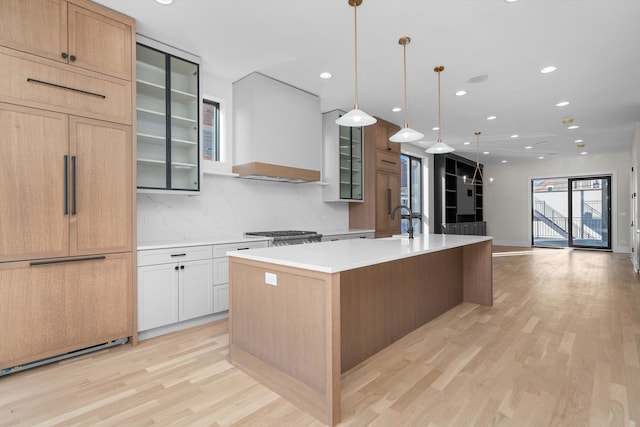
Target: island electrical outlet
{"points": [[271, 279]]}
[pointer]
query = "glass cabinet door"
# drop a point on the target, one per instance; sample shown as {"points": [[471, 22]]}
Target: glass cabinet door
{"points": [[151, 132], [350, 163], [167, 121]]}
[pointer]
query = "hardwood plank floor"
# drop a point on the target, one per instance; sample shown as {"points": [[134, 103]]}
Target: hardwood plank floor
{"points": [[560, 347]]}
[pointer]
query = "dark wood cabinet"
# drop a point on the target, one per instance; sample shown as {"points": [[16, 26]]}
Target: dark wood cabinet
{"points": [[458, 206]]}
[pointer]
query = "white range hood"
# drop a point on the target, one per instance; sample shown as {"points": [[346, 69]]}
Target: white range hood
{"points": [[277, 131]]}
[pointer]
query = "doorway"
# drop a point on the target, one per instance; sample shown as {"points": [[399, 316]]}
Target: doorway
{"points": [[572, 212]]}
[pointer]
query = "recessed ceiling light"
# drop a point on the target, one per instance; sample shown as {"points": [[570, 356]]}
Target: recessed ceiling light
{"points": [[396, 109], [165, 2], [515, 136], [491, 118], [435, 128], [461, 93], [584, 152], [540, 157], [504, 161], [479, 79], [325, 75], [486, 152], [562, 104], [467, 143], [528, 147], [510, 1], [549, 69], [578, 140], [573, 127]]}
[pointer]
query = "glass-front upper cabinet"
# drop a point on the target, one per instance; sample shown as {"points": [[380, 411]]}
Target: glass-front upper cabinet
{"points": [[342, 167], [168, 131], [350, 163]]}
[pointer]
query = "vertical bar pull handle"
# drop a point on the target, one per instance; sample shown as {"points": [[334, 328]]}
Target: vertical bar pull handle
{"points": [[73, 185], [389, 201], [66, 184]]}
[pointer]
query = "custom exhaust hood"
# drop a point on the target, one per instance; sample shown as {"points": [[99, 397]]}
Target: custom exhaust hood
{"points": [[277, 131]]}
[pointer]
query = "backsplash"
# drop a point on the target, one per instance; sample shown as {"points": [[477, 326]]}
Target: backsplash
{"points": [[230, 206]]}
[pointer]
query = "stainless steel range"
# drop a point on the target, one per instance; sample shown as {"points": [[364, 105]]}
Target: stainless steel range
{"points": [[288, 237]]}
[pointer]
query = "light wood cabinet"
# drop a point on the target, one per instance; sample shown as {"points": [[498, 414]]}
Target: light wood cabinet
{"points": [[52, 308], [67, 198], [68, 190], [381, 182], [76, 32]]}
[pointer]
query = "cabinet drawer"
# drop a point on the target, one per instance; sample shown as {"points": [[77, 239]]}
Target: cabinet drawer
{"points": [[221, 250], [39, 83], [387, 162], [165, 256]]}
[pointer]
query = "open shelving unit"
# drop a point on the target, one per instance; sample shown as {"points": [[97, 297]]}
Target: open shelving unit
{"points": [[458, 206]]}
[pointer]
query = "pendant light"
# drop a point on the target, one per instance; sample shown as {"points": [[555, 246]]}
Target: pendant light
{"points": [[356, 117], [477, 178], [406, 134], [439, 147]]}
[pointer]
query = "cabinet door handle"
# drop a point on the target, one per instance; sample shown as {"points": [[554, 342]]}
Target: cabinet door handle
{"points": [[177, 255], [64, 55], [72, 58], [388, 201], [176, 268], [388, 148], [182, 267], [389, 161], [30, 80], [73, 185], [62, 261], [66, 184]]}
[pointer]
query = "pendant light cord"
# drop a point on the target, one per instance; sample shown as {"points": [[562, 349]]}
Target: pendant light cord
{"points": [[438, 69], [355, 38], [404, 50]]}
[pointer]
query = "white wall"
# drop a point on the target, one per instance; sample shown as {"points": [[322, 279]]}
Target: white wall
{"points": [[635, 187], [507, 203]]}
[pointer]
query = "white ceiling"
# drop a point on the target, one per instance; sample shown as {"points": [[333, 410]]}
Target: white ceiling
{"points": [[595, 45]]}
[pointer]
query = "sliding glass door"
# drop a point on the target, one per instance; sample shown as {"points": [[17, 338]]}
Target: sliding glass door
{"points": [[571, 212]]}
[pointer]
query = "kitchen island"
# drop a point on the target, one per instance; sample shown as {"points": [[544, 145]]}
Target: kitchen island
{"points": [[302, 315]]}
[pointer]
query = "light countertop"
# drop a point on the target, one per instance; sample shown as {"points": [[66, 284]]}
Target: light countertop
{"points": [[165, 244], [341, 255]]}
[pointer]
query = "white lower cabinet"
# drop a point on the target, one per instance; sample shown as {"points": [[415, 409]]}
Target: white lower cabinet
{"points": [[177, 286]]}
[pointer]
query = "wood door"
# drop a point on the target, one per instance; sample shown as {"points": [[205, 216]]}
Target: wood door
{"points": [[101, 218], [33, 218], [56, 308], [35, 26], [387, 197], [100, 43]]}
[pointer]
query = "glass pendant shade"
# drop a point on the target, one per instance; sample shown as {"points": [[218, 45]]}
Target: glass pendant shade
{"points": [[440, 148], [406, 134], [356, 118]]}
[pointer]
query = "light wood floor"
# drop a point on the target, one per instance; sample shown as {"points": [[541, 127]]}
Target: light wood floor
{"points": [[560, 347]]}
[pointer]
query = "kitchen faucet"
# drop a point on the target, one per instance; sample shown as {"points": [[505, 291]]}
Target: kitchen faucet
{"points": [[393, 214]]}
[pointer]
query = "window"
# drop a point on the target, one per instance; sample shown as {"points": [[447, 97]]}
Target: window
{"points": [[210, 130], [411, 192]]}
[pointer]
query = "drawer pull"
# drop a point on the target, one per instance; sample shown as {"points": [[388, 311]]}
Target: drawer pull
{"points": [[30, 80], [242, 249], [61, 261], [388, 161], [177, 255]]}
